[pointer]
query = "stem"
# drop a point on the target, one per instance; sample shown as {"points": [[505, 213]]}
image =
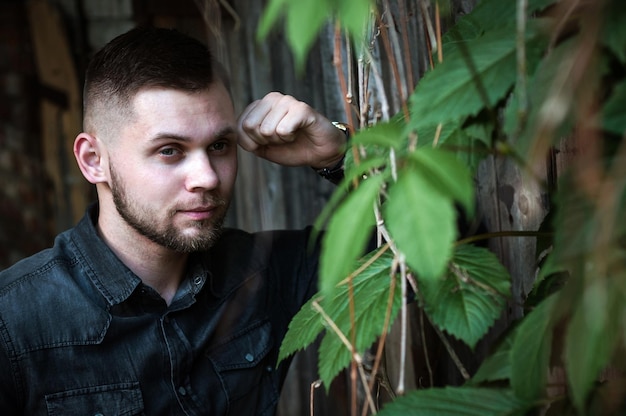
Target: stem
{"points": [[425, 347], [353, 366], [356, 357], [451, 352], [438, 33], [497, 234], [383, 336], [406, 46], [394, 66], [316, 384], [403, 325], [338, 62]]}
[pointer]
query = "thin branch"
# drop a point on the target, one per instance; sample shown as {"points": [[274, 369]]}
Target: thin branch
{"points": [[403, 325], [356, 357], [406, 45], [315, 385], [498, 234], [336, 330], [383, 336], [425, 348], [438, 33], [394, 66], [451, 352], [338, 63]]}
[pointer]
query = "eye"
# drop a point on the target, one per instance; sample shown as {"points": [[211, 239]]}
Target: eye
{"points": [[169, 152], [218, 147]]}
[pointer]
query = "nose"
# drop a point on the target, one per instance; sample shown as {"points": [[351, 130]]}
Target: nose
{"points": [[200, 174]]}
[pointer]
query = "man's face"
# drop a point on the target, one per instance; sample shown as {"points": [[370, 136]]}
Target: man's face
{"points": [[173, 166]]}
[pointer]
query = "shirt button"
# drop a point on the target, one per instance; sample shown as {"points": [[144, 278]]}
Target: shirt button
{"points": [[249, 357], [182, 391], [197, 280]]}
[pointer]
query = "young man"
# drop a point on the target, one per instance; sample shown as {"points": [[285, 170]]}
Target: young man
{"points": [[147, 306]]}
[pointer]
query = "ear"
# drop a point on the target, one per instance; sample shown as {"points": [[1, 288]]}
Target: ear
{"points": [[88, 151]]}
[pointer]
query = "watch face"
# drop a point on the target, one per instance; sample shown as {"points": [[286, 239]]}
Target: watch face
{"points": [[342, 127]]}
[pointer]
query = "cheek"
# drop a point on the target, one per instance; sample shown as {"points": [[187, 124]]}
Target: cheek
{"points": [[228, 174]]}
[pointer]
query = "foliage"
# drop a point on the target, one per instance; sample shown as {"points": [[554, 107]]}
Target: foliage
{"points": [[513, 82]]}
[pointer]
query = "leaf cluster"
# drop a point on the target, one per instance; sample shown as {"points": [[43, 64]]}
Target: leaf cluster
{"points": [[512, 90]]}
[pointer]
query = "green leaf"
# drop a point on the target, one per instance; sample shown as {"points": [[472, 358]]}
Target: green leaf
{"points": [[347, 233], [470, 297], [474, 75], [371, 289], [469, 143], [496, 366], [457, 401], [365, 167], [270, 15], [390, 134], [592, 336], [303, 330], [371, 295], [530, 355], [447, 174], [353, 16], [487, 15], [427, 134], [613, 113], [305, 19], [421, 221]]}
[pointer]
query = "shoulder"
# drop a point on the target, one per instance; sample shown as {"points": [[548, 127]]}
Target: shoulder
{"points": [[31, 268], [41, 295]]}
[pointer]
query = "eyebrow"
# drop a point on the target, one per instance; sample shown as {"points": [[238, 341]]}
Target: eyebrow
{"points": [[223, 133]]}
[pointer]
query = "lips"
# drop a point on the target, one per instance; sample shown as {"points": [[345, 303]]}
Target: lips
{"points": [[198, 213]]}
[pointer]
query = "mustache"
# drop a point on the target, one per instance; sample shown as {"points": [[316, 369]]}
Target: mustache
{"points": [[207, 201]]}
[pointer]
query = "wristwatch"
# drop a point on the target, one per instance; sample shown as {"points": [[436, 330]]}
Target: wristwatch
{"points": [[335, 173]]}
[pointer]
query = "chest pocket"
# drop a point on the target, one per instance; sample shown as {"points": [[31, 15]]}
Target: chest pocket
{"points": [[245, 370], [115, 399]]}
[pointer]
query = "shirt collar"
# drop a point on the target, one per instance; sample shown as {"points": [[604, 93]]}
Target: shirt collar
{"points": [[113, 279]]}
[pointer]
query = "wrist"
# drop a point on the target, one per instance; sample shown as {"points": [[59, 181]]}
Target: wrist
{"points": [[334, 172]]}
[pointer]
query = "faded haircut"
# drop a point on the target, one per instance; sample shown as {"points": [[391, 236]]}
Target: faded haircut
{"points": [[144, 57]]}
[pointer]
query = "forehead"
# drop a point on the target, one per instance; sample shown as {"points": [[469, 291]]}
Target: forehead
{"points": [[213, 102]]}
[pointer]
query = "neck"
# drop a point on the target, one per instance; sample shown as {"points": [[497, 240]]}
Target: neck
{"points": [[156, 266]]}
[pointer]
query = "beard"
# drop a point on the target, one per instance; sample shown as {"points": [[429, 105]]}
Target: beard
{"points": [[163, 231]]}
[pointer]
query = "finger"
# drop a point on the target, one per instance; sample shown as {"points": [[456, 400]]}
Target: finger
{"points": [[298, 117], [248, 137]]}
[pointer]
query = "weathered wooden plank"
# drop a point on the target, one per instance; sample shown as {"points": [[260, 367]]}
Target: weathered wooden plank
{"points": [[61, 120]]}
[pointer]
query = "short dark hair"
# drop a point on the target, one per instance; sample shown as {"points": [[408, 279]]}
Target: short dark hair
{"points": [[146, 57]]}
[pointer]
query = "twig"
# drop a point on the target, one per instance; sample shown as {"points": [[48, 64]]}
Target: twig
{"points": [[406, 45], [438, 33], [383, 336], [451, 352], [498, 234], [356, 357], [425, 348], [394, 67], [338, 63], [403, 325], [316, 384]]}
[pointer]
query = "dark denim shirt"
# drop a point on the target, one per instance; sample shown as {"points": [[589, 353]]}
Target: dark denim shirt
{"points": [[80, 334]]}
